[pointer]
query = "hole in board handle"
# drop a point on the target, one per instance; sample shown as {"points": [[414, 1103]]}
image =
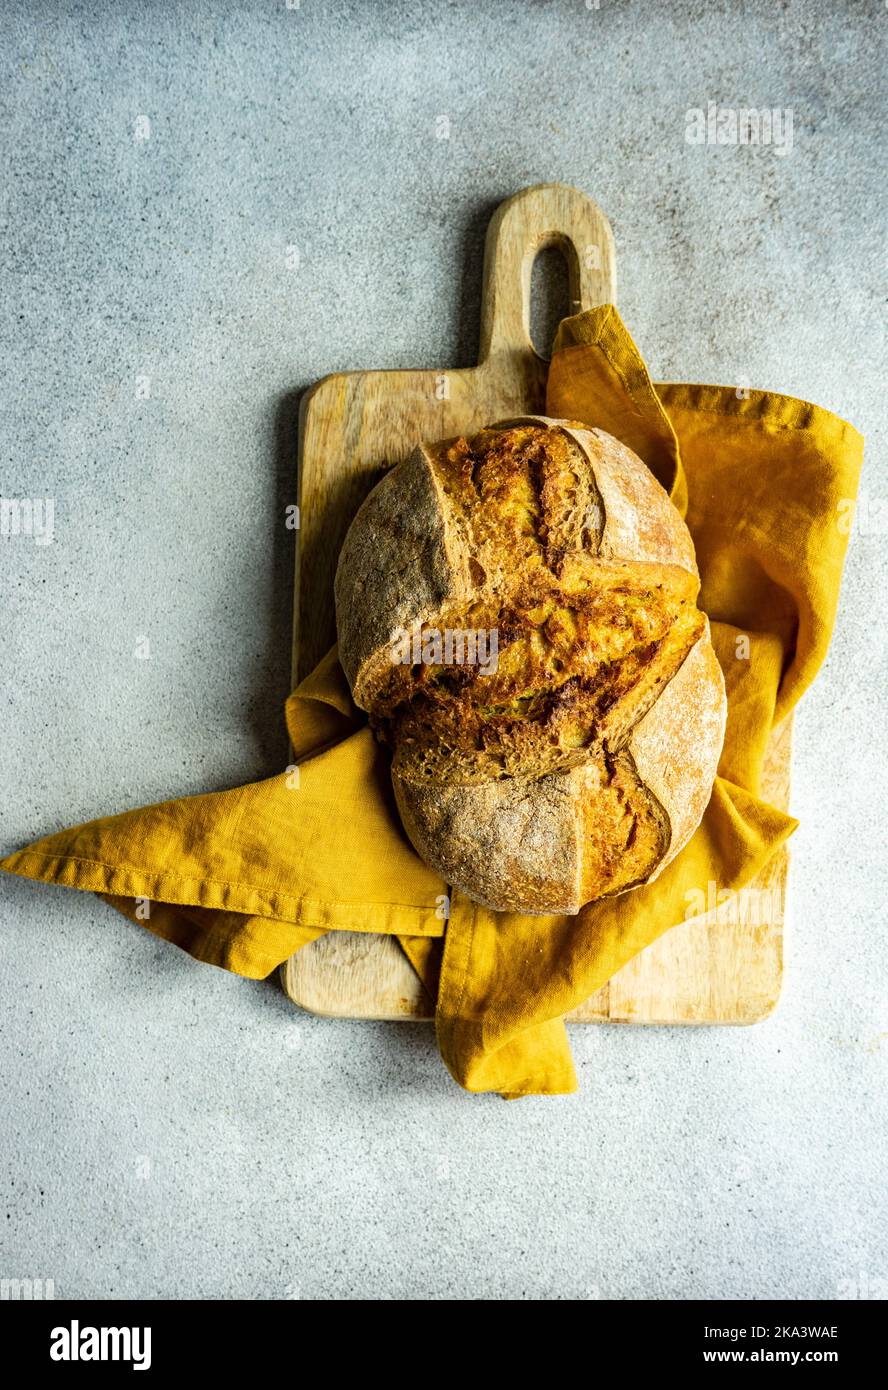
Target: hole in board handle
{"points": [[549, 298]]}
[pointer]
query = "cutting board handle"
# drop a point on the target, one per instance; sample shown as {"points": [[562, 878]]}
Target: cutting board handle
{"points": [[548, 214]]}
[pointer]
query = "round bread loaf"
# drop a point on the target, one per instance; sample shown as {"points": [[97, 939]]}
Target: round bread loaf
{"points": [[517, 614]]}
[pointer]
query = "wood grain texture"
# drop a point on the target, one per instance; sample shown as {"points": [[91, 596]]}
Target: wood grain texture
{"points": [[355, 425]]}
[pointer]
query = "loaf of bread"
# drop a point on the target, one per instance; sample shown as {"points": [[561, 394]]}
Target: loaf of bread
{"points": [[517, 614]]}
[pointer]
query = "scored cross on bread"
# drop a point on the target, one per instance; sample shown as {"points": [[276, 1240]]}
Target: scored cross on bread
{"points": [[577, 757]]}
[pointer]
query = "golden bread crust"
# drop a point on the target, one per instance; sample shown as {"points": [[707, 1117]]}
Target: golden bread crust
{"points": [[580, 761]]}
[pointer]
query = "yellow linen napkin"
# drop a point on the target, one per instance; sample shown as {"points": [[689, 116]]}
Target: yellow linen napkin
{"points": [[244, 878]]}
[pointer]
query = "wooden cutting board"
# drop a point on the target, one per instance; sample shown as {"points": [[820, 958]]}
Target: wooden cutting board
{"points": [[724, 966]]}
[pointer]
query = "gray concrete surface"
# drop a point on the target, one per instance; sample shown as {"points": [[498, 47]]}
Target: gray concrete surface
{"points": [[169, 1130]]}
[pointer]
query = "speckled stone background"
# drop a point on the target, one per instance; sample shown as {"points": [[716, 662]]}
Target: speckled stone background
{"points": [[170, 1130]]}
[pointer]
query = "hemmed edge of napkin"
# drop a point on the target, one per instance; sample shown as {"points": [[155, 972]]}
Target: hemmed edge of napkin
{"points": [[758, 406], [127, 881]]}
